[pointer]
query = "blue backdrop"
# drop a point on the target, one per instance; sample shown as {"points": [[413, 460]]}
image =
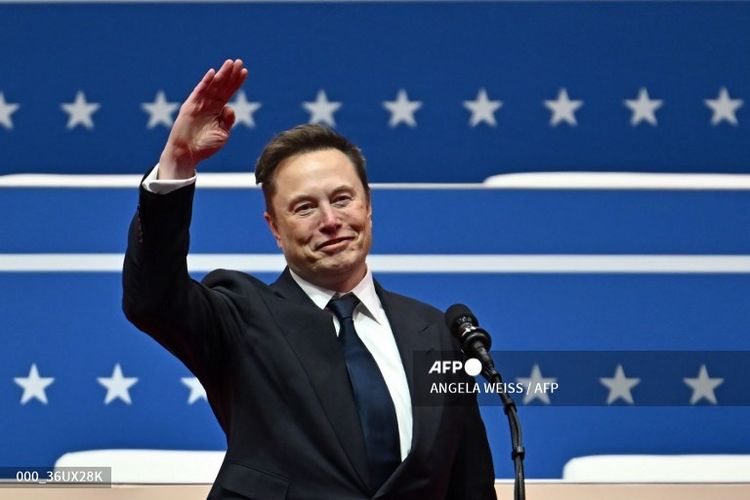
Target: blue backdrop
{"points": [[361, 55], [69, 324], [74, 80]]}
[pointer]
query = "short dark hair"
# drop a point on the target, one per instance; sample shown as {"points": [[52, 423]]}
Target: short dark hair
{"points": [[299, 140]]}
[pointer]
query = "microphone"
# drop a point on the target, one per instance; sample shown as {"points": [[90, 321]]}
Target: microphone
{"points": [[474, 341]]}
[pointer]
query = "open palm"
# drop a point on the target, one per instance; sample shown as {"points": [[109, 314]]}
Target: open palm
{"points": [[204, 122]]}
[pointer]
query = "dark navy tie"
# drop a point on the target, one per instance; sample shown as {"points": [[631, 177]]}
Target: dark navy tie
{"points": [[374, 404]]}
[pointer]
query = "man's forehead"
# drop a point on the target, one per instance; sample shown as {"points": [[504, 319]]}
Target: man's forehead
{"points": [[315, 171], [329, 157], [312, 173]]}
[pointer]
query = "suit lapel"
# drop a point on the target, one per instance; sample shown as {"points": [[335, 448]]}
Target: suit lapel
{"points": [[408, 330], [418, 341], [311, 335]]}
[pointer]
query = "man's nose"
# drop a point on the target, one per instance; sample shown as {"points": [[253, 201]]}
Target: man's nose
{"points": [[330, 219]]}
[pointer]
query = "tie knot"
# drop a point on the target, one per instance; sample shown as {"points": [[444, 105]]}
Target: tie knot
{"points": [[343, 307]]}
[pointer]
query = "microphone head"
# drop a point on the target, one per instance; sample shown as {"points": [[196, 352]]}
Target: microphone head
{"points": [[474, 341], [457, 315]]}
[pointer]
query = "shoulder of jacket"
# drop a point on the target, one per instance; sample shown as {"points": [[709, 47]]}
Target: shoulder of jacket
{"points": [[234, 281]]}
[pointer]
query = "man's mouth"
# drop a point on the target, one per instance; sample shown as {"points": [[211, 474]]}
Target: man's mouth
{"points": [[333, 242]]}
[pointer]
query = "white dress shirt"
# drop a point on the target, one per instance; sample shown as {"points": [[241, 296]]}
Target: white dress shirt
{"points": [[369, 318], [373, 328]]}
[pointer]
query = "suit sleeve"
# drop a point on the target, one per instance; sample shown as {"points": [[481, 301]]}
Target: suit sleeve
{"points": [[160, 298]]}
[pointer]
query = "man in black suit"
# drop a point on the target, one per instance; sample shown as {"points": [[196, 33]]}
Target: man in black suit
{"points": [[314, 379]]}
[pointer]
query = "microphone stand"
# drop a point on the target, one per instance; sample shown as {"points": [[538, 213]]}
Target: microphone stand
{"points": [[518, 452], [475, 342]]}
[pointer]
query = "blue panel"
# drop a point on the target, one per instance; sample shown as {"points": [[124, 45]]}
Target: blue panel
{"points": [[361, 54], [71, 326], [408, 221]]}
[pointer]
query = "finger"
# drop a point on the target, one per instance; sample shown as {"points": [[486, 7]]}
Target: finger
{"points": [[240, 78], [236, 70], [230, 84], [221, 77], [203, 84], [240, 81], [237, 82], [226, 68]]}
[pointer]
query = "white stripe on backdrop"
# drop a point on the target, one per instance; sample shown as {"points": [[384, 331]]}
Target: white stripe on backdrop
{"points": [[498, 264]]}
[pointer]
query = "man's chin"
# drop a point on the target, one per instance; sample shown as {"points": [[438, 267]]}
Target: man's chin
{"points": [[337, 267], [338, 264]]}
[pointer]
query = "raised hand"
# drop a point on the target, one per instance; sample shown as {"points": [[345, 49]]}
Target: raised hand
{"points": [[204, 122]]}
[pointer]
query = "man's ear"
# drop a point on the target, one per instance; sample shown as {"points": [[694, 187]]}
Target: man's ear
{"points": [[272, 226]]}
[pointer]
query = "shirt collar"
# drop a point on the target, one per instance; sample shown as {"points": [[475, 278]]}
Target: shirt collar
{"points": [[364, 291]]}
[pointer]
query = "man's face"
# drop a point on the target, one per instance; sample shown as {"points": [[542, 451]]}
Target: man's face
{"points": [[322, 218]]}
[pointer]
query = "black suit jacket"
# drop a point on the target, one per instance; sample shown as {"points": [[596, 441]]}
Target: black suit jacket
{"points": [[275, 376]]}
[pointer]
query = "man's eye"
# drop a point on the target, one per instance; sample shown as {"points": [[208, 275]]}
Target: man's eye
{"points": [[304, 208], [342, 200]]}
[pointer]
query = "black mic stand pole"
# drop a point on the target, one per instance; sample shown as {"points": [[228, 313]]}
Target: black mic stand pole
{"points": [[509, 408]]}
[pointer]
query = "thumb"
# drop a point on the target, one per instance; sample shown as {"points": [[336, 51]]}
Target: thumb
{"points": [[227, 118]]}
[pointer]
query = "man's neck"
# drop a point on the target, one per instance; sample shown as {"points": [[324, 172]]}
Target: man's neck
{"points": [[345, 285], [336, 287]]}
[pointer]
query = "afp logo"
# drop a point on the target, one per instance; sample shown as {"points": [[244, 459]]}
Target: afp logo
{"points": [[471, 366]]}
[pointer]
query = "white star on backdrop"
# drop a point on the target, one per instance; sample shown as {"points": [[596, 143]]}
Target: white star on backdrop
{"points": [[703, 386], [196, 389], [243, 110], [619, 386], [402, 109], [724, 107], [160, 111], [321, 110], [532, 385], [563, 109], [117, 385], [33, 385], [80, 111], [482, 109], [7, 109], [644, 108]]}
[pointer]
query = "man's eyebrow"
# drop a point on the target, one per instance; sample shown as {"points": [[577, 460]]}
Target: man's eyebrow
{"points": [[298, 198], [343, 187]]}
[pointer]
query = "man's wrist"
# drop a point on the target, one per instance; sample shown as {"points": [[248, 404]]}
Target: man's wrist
{"points": [[174, 165]]}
